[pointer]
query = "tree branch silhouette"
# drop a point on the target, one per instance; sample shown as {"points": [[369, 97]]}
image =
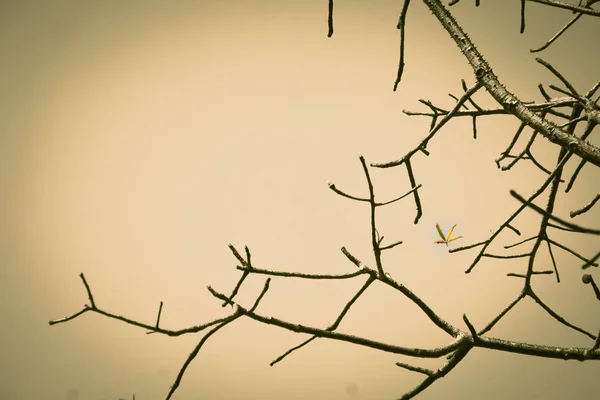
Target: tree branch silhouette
{"points": [[555, 118]]}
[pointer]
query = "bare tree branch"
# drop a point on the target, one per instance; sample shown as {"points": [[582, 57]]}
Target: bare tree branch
{"points": [[556, 118], [510, 102], [554, 3], [570, 225]]}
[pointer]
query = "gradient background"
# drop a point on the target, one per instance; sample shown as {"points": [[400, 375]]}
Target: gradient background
{"points": [[138, 139]]}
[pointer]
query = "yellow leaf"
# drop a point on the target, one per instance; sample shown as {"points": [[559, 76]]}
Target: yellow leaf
{"points": [[450, 232]]}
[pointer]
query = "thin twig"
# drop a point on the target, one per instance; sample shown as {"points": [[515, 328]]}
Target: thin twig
{"points": [[402, 27], [585, 208], [557, 35], [555, 3], [330, 19], [575, 227]]}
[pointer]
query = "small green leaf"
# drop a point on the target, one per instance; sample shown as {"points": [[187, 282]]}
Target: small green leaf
{"points": [[453, 239], [440, 231]]}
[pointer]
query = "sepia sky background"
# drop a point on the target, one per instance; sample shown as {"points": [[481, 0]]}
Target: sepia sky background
{"points": [[139, 139]]}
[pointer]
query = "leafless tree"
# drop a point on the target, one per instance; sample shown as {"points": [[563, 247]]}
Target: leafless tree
{"points": [[557, 118]]}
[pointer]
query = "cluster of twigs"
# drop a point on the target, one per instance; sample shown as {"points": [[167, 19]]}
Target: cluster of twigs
{"points": [[567, 112]]}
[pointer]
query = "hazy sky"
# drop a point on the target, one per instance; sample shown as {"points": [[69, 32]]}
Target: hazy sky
{"points": [[140, 138]]}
